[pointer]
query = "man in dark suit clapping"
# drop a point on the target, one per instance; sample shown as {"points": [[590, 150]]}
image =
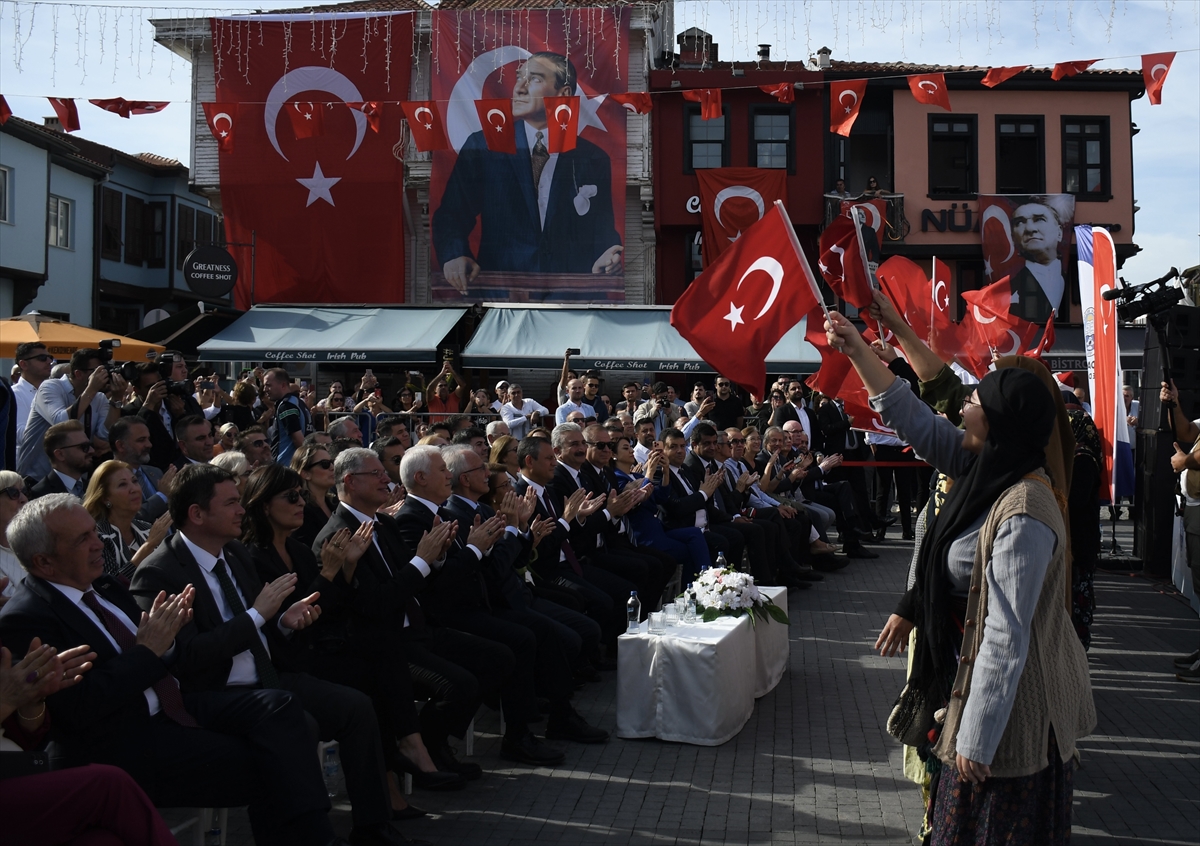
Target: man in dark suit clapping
{"points": [[71, 457]]}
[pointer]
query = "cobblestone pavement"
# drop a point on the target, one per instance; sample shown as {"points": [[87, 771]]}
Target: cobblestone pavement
{"points": [[814, 764]]}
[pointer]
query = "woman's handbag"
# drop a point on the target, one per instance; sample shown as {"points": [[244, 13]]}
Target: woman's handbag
{"points": [[911, 717]]}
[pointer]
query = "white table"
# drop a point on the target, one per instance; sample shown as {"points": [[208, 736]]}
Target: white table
{"points": [[771, 646], [695, 684]]}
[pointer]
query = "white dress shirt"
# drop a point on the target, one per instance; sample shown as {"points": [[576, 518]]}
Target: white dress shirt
{"points": [[417, 561], [701, 514], [517, 419], [560, 415], [24, 392]]}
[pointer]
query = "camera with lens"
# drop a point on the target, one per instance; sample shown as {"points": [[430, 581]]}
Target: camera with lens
{"points": [[1152, 299], [180, 388], [106, 357]]}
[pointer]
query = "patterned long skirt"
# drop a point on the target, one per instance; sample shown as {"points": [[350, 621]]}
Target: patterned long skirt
{"points": [[1033, 810]]}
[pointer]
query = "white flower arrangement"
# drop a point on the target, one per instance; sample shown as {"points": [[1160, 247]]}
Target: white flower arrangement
{"points": [[730, 593]]}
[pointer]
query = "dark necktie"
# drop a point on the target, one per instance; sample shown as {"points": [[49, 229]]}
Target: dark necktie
{"points": [[461, 542], [78, 488], [567, 551], [392, 555], [166, 688], [538, 157], [148, 489], [267, 676]]}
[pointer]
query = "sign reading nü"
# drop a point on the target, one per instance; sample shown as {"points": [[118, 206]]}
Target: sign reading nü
{"points": [[210, 271]]}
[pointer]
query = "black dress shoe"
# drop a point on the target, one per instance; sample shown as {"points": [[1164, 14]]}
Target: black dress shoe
{"points": [[432, 781], [381, 835], [859, 551], [530, 750], [909, 534], [446, 761], [411, 812], [571, 726]]}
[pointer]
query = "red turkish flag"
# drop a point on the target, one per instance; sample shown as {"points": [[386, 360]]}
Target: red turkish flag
{"points": [[784, 92], [709, 100], [904, 283], [735, 312], [845, 99], [5, 111], [637, 102], [1065, 69], [1155, 67], [308, 119], [325, 211], [426, 125], [68, 115], [146, 107], [1003, 332], [995, 76], [848, 251], [496, 117], [930, 89], [1046, 343], [562, 123], [372, 110], [732, 199], [836, 377], [220, 123], [116, 105], [943, 331]]}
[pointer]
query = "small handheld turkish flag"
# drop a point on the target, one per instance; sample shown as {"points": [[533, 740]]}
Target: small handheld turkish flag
{"points": [[845, 99], [425, 124], [562, 123], [5, 111], [784, 92], [308, 119], [1155, 67], [1047, 343], [372, 110], [904, 283], [68, 115], [709, 100], [496, 118], [1003, 332], [735, 312], [930, 89], [995, 76], [850, 255], [220, 123], [1065, 69], [637, 102], [116, 105]]}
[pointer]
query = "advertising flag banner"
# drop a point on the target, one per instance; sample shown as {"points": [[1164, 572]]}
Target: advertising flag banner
{"points": [[1028, 239], [1097, 274], [530, 222], [732, 199], [735, 312], [324, 209]]}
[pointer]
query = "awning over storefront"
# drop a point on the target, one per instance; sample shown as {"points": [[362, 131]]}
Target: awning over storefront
{"points": [[638, 338], [185, 330], [319, 334]]}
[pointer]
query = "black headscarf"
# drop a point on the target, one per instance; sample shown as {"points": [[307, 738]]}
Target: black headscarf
{"points": [[1021, 415]]}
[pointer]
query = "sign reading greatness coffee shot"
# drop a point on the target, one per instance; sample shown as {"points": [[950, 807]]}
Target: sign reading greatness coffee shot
{"points": [[210, 271], [528, 202]]}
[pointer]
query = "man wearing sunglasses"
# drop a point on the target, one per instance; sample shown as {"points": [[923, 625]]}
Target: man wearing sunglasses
{"points": [[35, 365], [71, 457]]}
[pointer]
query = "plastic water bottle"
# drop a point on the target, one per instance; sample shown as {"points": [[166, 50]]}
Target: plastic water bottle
{"points": [[330, 770], [212, 837], [633, 611], [722, 564], [690, 614]]}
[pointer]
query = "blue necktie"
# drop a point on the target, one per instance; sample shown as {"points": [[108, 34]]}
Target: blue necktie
{"points": [[148, 490]]}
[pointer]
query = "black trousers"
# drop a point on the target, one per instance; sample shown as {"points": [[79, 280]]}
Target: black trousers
{"points": [[453, 670], [723, 537], [760, 546], [582, 626], [904, 478], [648, 572], [840, 497]]}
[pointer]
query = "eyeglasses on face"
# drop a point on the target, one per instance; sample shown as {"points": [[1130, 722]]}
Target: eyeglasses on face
{"points": [[736, 441], [380, 473], [259, 444], [14, 493], [86, 446], [599, 444], [42, 357], [395, 459], [293, 496], [324, 464], [968, 401]]}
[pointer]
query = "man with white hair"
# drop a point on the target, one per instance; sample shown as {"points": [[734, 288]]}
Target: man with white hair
{"points": [[345, 427], [497, 429], [520, 413]]}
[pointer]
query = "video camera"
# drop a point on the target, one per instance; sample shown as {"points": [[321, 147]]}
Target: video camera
{"points": [[1151, 299]]}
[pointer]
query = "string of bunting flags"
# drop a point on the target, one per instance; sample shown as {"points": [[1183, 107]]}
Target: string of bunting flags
{"points": [[427, 126]]}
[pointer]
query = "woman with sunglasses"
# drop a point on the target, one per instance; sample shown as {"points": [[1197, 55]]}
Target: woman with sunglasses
{"points": [[873, 188], [315, 467], [113, 498], [332, 649], [12, 497]]}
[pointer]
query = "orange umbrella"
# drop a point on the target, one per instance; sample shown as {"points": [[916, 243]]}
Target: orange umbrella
{"points": [[62, 339]]}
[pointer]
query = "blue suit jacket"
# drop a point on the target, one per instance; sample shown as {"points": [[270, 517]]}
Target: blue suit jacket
{"points": [[497, 189]]}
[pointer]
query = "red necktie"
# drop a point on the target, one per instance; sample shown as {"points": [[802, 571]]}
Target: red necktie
{"points": [[167, 688]]}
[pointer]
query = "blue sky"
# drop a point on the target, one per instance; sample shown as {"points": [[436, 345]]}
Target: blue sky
{"points": [[99, 49]]}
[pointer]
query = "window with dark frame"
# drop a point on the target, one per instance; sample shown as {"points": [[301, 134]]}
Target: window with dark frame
{"points": [[772, 138], [58, 227], [953, 159], [204, 228], [156, 234], [4, 189], [111, 208], [185, 234], [1086, 158], [1020, 154], [695, 257], [135, 233], [706, 142]]}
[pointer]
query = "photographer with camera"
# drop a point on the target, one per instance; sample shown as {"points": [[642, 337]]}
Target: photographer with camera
{"points": [[81, 394], [660, 409], [159, 402]]}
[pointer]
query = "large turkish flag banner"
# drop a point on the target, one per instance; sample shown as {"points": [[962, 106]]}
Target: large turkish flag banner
{"points": [[324, 211], [732, 199]]}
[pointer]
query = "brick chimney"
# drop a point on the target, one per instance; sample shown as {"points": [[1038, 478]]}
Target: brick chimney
{"points": [[696, 49]]}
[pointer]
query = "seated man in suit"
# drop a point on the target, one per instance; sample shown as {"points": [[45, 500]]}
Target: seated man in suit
{"points": [[687, 504], [128, 710], [558, 563], [452, 669], [225, 652], [459, 599], [194, 436], [129, 438], [71, 457]]}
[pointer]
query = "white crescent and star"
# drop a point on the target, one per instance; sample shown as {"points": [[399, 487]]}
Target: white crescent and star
{"points": [[563, 107], [1016, 343], [842, 99], [997, 213], [630, 107], [222, 132], [503, 119], [773, 269], [1154, 70], [318, 186], [980, 318], [428, 122], [312, 78], [737, 191], [928, 85], [937, 300]]}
